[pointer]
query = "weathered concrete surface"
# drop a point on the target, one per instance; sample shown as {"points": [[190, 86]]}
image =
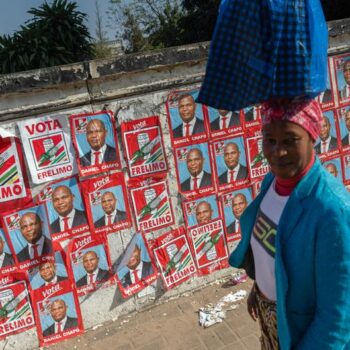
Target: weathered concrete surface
{"points": [[132, 86]]}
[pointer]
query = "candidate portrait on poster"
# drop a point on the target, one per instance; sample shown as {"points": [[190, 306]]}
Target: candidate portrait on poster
{"points": [[95, 141], [65, 209], [250, 113], [194, 167], [346, 162], [231, 161], [222, 119], [333, 166], [29, 235], [135, 264], [201, 211], [93, 267], [328, 137], [108, 207], [6, 259], [343, 77], [58, 315], [48, 273], [326, 97], [186, 116], [344, 125], [234, 204]]}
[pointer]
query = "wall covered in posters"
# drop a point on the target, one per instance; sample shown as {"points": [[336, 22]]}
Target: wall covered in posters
{"points": [[134, 196]]}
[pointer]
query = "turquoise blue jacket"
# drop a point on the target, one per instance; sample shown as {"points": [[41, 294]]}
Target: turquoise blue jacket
{"points": [[312, 262]]}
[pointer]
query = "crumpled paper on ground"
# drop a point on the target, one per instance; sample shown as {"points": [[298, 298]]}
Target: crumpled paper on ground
{"points": [[211, 314]]}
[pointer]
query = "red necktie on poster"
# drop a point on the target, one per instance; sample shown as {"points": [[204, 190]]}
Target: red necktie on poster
{"points": [[59, 327], [224, 122], [109, 219], [65, 223], [195, 183], [324, 144], [187, 129], [97, 157], [136, 276], [35, 251], [232, 175], [91, 279]]}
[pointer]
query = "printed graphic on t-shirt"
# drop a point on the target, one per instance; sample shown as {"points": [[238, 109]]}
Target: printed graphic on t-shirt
{"points": [[265, 233]]}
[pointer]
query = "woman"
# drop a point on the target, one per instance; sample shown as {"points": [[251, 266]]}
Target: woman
{"points": [[296, 238]]}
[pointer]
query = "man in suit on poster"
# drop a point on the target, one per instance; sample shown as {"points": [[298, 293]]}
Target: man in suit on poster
{"points": [[327, 142], [112, 214], [100, 152], [235, 171], [346, 139], [190, 124], [62, 322], [31, 230], [68, 216], [204, 213], [332, 169], [198, 177], [345, 91], [225, 119], [94, 274], [137, 269], [5, 258], [47, 272], [239, 203]]}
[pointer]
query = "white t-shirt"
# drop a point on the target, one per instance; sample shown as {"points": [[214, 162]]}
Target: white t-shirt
{"points": [[263, 240]]}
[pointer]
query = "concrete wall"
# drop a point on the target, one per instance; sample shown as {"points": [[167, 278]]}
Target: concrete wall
{"points": [[132, 86]]}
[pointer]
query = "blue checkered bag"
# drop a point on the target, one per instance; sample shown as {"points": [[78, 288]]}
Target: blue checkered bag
{"points": [[263, 49]]}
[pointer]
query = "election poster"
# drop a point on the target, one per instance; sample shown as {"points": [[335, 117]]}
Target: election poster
{"points": [[326, 98], [174, 257], [95, 142], [48, 273], [134, 268], [49, 151], [343, 117], [187, 119], [342, 77], [14, 187], [251, 117], [106, 203], [200, 210], [28, 236], [230, 163], [7, 263], [89, 263], [224, 123], [144, 147], [256, 187], [334, 167], [16, 313], [327, 144], [65, 209], [346, 166], [57, 313], [257, 163], [194, 170], [151, 203], [209, 246], [233, 205]]}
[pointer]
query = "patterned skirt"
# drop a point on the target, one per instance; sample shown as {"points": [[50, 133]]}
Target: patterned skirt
{"points": [[267, 315]]}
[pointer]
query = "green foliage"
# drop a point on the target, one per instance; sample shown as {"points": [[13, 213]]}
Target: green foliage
{"points": [[55, 35]]}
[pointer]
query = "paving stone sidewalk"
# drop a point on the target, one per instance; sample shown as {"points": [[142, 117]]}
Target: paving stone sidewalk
{"points": [[174, 325]]}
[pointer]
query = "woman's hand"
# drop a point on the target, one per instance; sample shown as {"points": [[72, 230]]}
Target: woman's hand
{"points": [[252, 304]]}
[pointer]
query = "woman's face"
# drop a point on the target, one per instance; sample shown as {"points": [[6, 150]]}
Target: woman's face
{"points": [[287, 147]]}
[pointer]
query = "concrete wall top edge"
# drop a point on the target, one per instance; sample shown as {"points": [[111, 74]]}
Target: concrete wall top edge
{"points": [[79, 72]]}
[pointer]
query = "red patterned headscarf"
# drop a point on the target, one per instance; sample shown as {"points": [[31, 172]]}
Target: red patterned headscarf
{"points": [[305, 113]]}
